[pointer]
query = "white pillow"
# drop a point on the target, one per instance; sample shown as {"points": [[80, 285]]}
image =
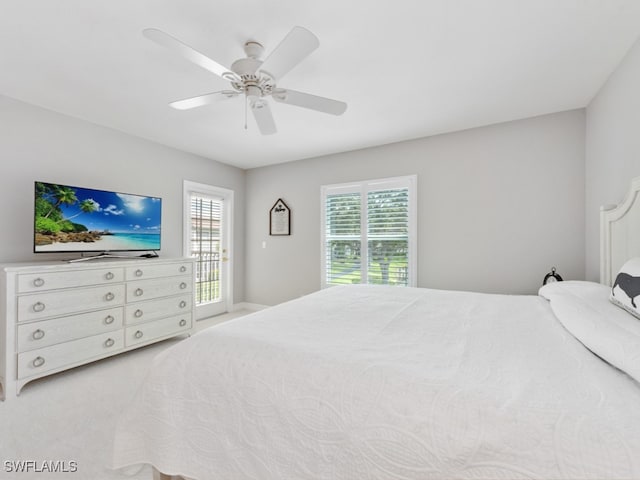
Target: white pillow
{"points": [[626, 288], [608, 331]]}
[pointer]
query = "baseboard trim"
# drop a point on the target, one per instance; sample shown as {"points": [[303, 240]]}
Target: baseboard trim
{"points": [[254, 307]]}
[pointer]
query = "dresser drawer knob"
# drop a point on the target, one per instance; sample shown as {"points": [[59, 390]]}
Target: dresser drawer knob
{"points": [[109, 296], [183, 285], [38, 282], [38, 307], [38, 362], [138, 334], [183, 322], [109, 319], [138, 273], [182, 304], [109, 276], [138, 313], [138, 292], [183, 269], [38, 334], [109, 342]]}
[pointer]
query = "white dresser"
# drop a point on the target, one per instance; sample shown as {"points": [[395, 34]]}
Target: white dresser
{"points": [[56, 315]]}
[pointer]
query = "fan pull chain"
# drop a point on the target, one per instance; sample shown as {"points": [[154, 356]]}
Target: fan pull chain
{"points": [[246, 100]]}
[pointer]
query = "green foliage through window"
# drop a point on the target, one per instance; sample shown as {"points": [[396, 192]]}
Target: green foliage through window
{"points": [[372, 221]]}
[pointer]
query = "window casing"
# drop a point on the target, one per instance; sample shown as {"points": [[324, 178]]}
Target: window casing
{"points": [[369, 232]]}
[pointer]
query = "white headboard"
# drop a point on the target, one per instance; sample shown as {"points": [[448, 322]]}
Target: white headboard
{"points": [[619, 233]]}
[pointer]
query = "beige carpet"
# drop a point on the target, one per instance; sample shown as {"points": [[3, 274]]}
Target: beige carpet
{"points": [[66, 421]]}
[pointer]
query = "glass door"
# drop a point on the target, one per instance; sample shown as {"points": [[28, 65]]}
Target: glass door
{"points": [[206, 231]]}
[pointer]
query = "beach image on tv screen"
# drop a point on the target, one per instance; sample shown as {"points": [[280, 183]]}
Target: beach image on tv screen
{"points": [[73, 219]]}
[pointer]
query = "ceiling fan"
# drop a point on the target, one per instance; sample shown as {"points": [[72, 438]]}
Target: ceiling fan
{"points": [[254, 78]]}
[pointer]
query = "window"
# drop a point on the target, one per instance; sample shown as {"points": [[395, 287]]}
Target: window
{"points": [[206, 246], [368, 232]]}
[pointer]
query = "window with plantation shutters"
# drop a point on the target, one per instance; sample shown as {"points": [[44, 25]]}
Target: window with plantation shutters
{"points": [[343, 242], [368, 232]]}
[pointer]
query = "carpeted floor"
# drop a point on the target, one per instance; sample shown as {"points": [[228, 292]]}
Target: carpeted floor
{"points": [[66, 421]]}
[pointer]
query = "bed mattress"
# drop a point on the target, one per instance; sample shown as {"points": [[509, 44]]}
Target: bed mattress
{"points": [[375, 382]]}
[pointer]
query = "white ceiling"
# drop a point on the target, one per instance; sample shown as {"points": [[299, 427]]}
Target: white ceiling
{"points": [[406, 68]]}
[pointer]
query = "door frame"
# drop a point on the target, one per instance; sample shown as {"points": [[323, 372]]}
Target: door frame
{"points": [[226, 270]]}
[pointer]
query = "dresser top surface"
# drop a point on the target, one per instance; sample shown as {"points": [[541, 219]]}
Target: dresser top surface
{"points": [[57, 265]]}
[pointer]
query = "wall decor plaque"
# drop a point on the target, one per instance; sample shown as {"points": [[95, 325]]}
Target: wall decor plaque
{"points": [[280, 219]]}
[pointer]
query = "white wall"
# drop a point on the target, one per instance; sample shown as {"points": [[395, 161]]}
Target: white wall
{"points": [[497, 207], [37, 144], [612, 148]]}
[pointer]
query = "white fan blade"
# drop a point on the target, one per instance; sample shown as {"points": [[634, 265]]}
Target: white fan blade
{"points": [[201, 100], [264, 118], [186, 51], [306, 100], [293, 48]]}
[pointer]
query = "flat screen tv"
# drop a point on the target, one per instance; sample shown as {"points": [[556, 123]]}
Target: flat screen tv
{"points": [[75, 219]]}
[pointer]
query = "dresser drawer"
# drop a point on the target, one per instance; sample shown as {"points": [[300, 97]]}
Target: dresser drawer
{"points": [[34, 282], [145, 332], [158, 288], [152, 309], [156, 271], [49, 332], [64, 302], [43, 360]]}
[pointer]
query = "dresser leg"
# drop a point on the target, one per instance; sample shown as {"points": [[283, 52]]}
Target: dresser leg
{"points": [[8, 389]]}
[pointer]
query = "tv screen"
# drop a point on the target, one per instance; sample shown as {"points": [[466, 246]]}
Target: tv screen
{"points": [[75, 219]]}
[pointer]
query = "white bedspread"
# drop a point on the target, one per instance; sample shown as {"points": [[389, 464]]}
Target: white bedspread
{"points": [[363, 382]]}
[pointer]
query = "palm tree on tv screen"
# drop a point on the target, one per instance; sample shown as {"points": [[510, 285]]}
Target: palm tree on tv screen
{"points": [[51, 198], [86, 206], [61, 195]]}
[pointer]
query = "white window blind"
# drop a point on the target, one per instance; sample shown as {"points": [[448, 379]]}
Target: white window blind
{"points": [[369, 232], [205, 245]]}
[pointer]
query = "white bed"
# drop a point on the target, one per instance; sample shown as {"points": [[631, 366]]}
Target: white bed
{"points": [[366, 382]]}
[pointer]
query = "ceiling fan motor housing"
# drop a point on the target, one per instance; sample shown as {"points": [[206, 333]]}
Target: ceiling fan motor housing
{"points": [[254, 85], [253, 93]]}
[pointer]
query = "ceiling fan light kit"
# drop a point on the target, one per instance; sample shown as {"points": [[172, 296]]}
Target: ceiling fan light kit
{"points": [[254, 78]]}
